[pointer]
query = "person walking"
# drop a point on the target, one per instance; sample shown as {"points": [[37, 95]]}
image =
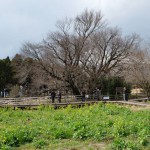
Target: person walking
{"points": [[53, 94]]}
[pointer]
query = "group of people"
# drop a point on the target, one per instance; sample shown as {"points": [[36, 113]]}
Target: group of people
{"points": [[53, 96], [97, 94], [59, 95]]}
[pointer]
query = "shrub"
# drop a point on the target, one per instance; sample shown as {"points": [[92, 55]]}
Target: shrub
{"points": [[121, 144], [40, 143], [16, 137]]}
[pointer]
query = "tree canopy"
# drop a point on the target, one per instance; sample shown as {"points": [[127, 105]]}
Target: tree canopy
{"points": [[6, 73], [81, 51]]}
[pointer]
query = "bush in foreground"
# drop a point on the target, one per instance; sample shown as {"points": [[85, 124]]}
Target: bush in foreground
{"points": [[117, 126]]}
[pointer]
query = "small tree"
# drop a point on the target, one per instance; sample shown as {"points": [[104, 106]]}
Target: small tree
{"points": [[14, 91], [109, 84], [138, 70]]}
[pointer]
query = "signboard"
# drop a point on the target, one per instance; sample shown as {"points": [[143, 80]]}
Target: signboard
{"points": [[119, 89], [105, 97]]}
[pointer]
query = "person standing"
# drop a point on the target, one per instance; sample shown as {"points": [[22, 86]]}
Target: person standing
{"points": [[59, 96], [53, 94], [83, 96], [97, 94]]}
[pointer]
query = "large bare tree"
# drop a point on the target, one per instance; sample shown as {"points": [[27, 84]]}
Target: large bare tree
{"points": [[108, 52], [81, 51]]}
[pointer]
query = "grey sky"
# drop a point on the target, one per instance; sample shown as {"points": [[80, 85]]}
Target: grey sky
{"points": [[31, 20]]}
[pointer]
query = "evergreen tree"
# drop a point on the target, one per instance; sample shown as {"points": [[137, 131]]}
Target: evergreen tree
{"points": [[6, 73], [108, 84]]}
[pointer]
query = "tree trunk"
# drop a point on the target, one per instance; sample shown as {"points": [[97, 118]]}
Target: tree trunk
{"points": [[74, 88]]}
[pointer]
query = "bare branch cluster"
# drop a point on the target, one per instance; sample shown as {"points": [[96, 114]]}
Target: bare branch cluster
{"points": [[81, 51]]}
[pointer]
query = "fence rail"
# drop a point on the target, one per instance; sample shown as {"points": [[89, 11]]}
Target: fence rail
{"points": [[66, 100]]}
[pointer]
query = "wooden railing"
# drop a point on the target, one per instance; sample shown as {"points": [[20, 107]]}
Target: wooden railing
{"points": [[67, 99]]}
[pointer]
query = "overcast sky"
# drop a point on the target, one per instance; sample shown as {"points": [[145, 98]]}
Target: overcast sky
{"points": [[31, 20]]}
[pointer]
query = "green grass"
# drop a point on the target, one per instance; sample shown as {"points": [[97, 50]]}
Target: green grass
{"points": [[90, 128]]}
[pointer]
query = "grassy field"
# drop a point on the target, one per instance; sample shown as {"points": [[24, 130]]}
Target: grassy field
{"points": [[96, 127]]}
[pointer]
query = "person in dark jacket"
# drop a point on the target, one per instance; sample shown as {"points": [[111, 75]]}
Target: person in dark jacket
{"points": [[53, 94], [83, 96]]}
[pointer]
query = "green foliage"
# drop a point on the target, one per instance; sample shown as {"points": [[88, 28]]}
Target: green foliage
{"points": [[16, 137], [40, 143], [121, 144], [118, 126], [109, 84], [6, 73]]}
